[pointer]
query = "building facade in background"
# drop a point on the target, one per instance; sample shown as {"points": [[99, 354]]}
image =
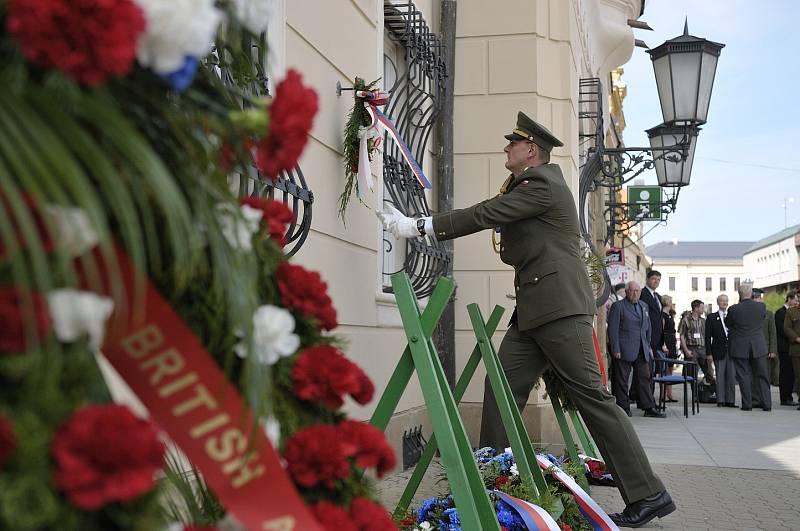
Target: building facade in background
{"points": [[774, 261], [700, 270], [510, 55]]}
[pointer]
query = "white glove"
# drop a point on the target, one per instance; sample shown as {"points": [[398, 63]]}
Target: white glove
{"points": [[395, 222]]}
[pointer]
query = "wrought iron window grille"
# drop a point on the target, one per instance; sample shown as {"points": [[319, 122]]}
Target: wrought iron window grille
{"points": [[290, 186], [417, 96]]}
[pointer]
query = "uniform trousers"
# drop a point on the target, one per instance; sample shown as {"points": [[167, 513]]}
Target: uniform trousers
{"points": [[796, 367], [725, 370], [753, 368], [566, 346]]}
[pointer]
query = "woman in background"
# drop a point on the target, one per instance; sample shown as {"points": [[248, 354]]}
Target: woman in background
{"points": [[668, 337]]}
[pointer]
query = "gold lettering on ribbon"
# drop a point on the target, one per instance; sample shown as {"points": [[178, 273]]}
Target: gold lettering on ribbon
{"points": [[245, 473], [284, 523], [167, 363], [143, 342]]}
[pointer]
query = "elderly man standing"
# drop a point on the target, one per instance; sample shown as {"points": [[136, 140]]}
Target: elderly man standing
{"points": [[552, 324], [717, 346], [771, 337], [629, 334], [748, 347]]}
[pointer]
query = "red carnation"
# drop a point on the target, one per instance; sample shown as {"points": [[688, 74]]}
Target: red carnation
{"points": [[323, 373], [500, 481], [200, 528], [564, 527], [313, 457], [305, 292], [90, 40], [22, 315], [369, 516], [291, 115], [105, 454], [8, 441], [332, 517], [367, 444], [274, 213]]}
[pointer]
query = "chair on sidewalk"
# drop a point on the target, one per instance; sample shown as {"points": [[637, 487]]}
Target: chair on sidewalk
{"points": [[663, 374]]}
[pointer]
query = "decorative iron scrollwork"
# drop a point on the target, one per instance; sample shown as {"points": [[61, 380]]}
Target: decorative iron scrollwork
{"points": [[417, 98]]}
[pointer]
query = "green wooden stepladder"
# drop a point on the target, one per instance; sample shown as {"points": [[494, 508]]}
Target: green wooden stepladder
{"points": [[456, 454], [474, 506]]}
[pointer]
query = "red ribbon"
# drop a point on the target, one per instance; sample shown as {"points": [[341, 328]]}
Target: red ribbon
{"points": [[599, 357], [190, 398]]}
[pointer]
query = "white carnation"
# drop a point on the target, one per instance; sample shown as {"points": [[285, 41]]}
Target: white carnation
{"points": [[514, 470], [273, 335], [239, 229], [273, 430], [254, 14], [73, 230], [76, 313], [176, 29]]}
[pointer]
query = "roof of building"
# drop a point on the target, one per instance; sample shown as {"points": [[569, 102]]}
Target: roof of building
{"points": [[675, 251], [775, 238]]}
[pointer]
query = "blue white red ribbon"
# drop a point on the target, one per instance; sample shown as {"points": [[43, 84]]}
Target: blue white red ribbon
{"points": [[589, 508], [373, 98], [535, 518]]}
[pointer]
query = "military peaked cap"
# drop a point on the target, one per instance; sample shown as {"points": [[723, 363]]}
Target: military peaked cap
{"points": [[529, 130]]}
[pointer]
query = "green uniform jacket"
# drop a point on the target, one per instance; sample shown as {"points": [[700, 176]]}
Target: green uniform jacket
{"points": [[770, 334], [540, 239], [791, 327]]}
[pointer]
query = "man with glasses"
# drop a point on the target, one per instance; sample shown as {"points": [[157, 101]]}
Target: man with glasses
{"points": [[551, 326]]}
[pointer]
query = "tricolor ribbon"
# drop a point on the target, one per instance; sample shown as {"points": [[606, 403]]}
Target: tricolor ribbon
{"points": [[372, 99], [596, 516], [535, 518]]}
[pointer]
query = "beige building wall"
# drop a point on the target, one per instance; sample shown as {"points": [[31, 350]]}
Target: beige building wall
{"points": [[510, 55], [776, 264]]}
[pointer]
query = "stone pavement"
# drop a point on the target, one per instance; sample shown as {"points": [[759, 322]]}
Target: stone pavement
{"points": [[726, 469]]}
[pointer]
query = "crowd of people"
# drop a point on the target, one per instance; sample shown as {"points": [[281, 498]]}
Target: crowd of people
{"points": [[744, 344]]}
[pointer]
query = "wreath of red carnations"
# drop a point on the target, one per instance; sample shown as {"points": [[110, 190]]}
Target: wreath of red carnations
{"points": [[104, 454], [323, 373], [305, 292], [291, 116], [89, 40]]}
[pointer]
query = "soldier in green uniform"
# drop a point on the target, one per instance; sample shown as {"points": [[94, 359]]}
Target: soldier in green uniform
{"points": [[552, 323]]}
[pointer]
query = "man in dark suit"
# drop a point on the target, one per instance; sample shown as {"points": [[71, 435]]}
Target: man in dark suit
{"points": [[717, 347], [653, 301], [748, 348], [786, 373], [552, 324], [629, 334], [771, 338]]}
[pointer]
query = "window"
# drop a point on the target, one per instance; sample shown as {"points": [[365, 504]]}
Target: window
{"points": [[736, 283], [708, 283], [709, 308], [722, 284], [694, 283], [672, 283]]}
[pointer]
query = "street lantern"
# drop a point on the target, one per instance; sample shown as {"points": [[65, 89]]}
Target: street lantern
{"points": [[684, 69], [673, 153]]}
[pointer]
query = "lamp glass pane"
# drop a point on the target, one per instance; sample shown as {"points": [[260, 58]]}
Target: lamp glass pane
{"points": [[664, 85], [707, 72], [686, 79]]}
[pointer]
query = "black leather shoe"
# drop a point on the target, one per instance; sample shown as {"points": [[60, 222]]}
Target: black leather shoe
{"points": [[746, 408], [789, 403], [654, 414], [730, 404], [767, 408], [639, 513]]}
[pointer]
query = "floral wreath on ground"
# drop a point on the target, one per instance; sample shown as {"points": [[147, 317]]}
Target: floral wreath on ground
{"points": [[499, 473], [118, 130]]}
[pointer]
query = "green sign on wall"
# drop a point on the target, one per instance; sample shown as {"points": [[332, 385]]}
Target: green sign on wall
{"points": [[644, 203]]}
